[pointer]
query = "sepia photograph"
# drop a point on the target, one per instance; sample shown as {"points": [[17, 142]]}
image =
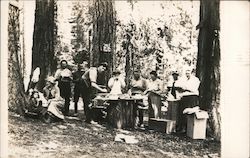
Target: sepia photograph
{"points": [[124, 78]]}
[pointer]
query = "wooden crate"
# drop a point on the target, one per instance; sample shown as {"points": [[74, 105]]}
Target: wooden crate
{"points": [[196, 125], [162, 125]]}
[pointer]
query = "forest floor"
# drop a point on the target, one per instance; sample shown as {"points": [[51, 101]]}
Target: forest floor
{"points": [[29, 137]]}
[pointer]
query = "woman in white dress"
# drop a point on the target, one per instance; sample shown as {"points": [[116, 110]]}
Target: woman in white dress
{"points": [[55, 102]]}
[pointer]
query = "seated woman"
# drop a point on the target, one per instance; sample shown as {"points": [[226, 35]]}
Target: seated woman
{"points": [[55, 102]]}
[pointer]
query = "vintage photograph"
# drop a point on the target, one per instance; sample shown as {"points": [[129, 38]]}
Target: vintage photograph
{"points": [[109, 78]]}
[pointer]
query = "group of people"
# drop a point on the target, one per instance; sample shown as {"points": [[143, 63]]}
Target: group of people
{"points": [[184, 90], [85, 79]]}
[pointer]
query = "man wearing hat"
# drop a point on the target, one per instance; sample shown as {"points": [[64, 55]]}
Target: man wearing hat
{"points": [[77, 80], [174, 85]]}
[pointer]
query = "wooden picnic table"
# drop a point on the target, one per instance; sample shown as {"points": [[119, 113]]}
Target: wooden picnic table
{"points": [[121, 111]]}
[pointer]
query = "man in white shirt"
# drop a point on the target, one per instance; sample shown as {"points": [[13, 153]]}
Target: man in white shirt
{"points": [[189, 97], [155, 88], [64, 78], [190, 84]]}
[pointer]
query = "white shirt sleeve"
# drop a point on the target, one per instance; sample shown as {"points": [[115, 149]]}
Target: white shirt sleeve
{"points": [[58, 74], [194, 85]]}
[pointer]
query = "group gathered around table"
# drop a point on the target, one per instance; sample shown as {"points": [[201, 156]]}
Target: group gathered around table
{"points": [[120, 108]]}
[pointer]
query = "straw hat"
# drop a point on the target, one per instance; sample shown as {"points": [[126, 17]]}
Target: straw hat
{"points": [[51, 79]]}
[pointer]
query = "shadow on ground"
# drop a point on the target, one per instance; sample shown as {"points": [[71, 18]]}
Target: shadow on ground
{"points": [[74, 138]]}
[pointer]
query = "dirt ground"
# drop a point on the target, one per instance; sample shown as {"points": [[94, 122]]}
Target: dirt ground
{"points": [[29, 137]]}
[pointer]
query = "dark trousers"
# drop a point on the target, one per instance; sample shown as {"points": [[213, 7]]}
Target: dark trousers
{"points": [[87, 97], [65, 92], [185, 102], [78, 92]]}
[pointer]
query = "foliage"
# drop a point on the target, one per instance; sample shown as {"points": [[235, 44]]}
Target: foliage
{"points": [[165, 42], [73, 27], [80, 30]]}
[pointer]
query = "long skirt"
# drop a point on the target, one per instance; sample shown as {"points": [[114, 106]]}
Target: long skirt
{"points": [[55, 107], [186, 102], [154, 108]]}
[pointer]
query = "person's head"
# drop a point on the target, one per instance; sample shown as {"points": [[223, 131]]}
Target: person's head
{"points": [[85, 64], [175, 75], [188, 73], [137, 75], [50, 81], [35, 94], [153, 75], [64, 64], [102, 67]]}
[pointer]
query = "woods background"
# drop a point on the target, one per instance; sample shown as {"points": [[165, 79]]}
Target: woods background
{"points": [[208, 49]]}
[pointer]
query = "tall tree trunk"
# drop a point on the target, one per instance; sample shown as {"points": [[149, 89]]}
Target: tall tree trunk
{"points": [[208, 63], [43, 40], [103, 35], [17, 99]]}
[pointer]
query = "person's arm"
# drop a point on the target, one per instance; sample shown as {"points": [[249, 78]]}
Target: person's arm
{"points": [[93, 78], [57, 92], [70, 74], [58, 74]]}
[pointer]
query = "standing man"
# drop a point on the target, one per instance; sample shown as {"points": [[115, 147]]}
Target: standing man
{"points": [[174, 85], [155, 88], [89, 85], [77, 79], [137, 86], [190, 87], [64, 78]]}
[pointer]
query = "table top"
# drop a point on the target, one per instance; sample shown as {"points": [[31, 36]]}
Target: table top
{"points": [[119, 98]]}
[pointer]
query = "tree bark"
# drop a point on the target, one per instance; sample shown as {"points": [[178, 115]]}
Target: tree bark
{"points": [[103, 34], [43, 40], [17, 98], [208, 62]]}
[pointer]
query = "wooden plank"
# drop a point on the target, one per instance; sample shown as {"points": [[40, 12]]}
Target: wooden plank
{"points": [[162, 125]]}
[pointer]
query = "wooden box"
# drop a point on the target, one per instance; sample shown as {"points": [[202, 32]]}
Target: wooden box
{"points": [[162, 125], [196, 125]]}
